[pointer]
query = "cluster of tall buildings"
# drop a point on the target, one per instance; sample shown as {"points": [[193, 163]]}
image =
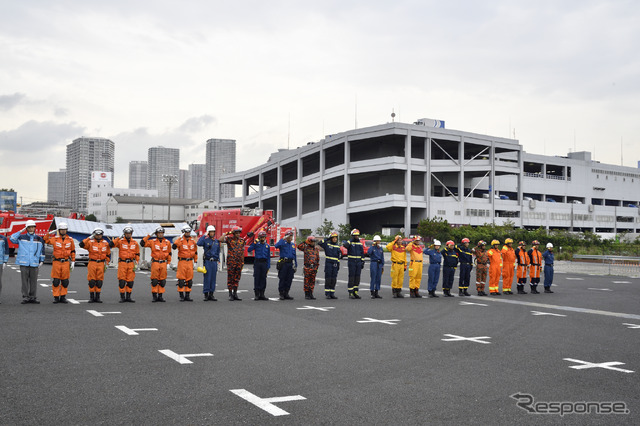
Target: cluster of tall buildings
{"points": [[160, 172]]}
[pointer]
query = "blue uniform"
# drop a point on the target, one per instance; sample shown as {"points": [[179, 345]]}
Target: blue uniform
{"points": [[210, 259], [435, 259], [355, 262], [376, 257], [450, 263], [465, 255], [261, 264], [4, 256], [331, 265], [30, 255], [548, 268], [288, 260]]}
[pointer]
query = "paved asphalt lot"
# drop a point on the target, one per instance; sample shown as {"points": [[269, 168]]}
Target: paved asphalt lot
{"points": [[61, 364]]}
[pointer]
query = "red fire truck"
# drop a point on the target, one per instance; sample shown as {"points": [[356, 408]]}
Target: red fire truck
{"points": [[11, 222], [250, 220]]}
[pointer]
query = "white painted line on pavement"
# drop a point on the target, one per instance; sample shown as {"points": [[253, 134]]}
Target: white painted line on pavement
{"points": [[76, 302], [575, 279], [565, 308], [181, 359], [606, 365], [456, 338], [323, 309], [622, 282], [600, 289], [101, 314], [133, 331], [631, 325], [372, 320], [471, 303], [538, 313], [266, 404]]}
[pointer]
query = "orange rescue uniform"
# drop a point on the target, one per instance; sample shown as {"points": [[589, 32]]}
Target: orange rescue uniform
{"points": [[523, 265], [508, 265], [99, 257], [128, 257], [535, 256], [64, 252], [415, 267], [495, 268], [160, 259], [187, 254]]}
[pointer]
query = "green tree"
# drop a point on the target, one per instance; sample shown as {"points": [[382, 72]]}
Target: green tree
{"points": [[120, 220], [91, 217], [344, 231], [325, 229], [436, 228]]}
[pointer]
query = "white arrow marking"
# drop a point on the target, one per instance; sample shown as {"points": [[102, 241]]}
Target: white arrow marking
{"points": [[538, 313], [76, 302], [43, 279], [622, 282], [607, 365], [101, 314], [600, 289], [471, 303], [181, 359], [274, 299], [44, 285], [631, 325], [133, 331], [323, 309], [389, 322], [455, 338], [198, 285], [266, 404]]}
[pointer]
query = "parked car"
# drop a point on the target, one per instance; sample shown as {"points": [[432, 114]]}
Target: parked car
{"points": [[82, 256], [633, 205], [550, 200], [504, 197]]}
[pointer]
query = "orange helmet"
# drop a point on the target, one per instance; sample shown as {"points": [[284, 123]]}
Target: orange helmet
{"points": [[355, 231]]}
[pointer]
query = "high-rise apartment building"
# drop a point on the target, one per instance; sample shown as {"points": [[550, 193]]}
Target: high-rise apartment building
{"points": [[221, 159], [197, 181], [163, 161], [138, 175], [183, 183], [85, 155], [55, 186]]}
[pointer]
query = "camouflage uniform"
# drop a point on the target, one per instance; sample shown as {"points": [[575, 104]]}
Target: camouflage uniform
{"points": [[235, 260], [311, 263], [482, 258]]}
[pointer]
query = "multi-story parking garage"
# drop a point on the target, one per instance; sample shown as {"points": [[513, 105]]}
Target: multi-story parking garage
{"points": [[395, 174]]}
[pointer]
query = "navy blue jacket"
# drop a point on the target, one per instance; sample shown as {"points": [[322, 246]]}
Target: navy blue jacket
{"points": [[331, 251], [287, 250]]}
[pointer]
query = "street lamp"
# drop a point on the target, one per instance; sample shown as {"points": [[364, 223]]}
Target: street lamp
{"points": [[169, 180]]}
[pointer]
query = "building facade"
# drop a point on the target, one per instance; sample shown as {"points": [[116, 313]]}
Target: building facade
{"points": [[183, 183], [197, 181], [55, 186], [163, 161], [101, 192], [221, 159], [138, 174], [85, 155], [132, 209], [389, 177]]}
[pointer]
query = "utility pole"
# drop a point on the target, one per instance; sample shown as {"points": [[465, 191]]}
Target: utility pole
{"points": [[169, 180]]}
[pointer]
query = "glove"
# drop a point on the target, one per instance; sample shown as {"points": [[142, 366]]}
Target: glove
{"points": [[73, 265], [250, 234], [105, 266], [168, 266]]}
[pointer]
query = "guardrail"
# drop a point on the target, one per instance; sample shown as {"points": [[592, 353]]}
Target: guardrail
{"points": [[615, 265]]}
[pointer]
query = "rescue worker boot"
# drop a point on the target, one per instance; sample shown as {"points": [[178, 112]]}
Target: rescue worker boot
{"points": [[187, 296], [432, 294], [400, 295], [286, 295], [212, 297], [206, 297], [122, 300], [534, 290], [351, 296], [281, 295], [459, 291], [306, 295], [63, 299], [181, 293], [548, 290], [327, 295], [231, 298], [161, 298], [92, 297], [98, 298], [256, 294], [373, 294], [155, 297], [332, 295], [466, 292], [56, 299], [356, 295], [129, 299], [522, 289], [378, 295], [411, 293], [235, 295], [311, 295], [416, 292], [261, 295], [447, 292]]}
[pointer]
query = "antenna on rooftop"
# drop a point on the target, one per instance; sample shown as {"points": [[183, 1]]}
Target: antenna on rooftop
{"points": [[393, 115]]}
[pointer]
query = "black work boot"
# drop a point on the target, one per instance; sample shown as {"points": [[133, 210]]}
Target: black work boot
{"points": [[129, 299], [155, 297], [256, 294], [534, 290], [286, 295], [311, 295], [459, 291], [373, 294], [351, 294], [235, 294], [332, 295], [206, 297], [356, 295], [411, 293], [416, 292], [122, 298], [400, 295], [212, 297], [97, 300], [548, 290], [465, 292], [261, 295], [63, 299], [231, 299], [447, 292], [281, 295], [306, 295], [378, 295], [56, 299], [327, 295], [187, 296], [92, 297], [161, 298], [181, 293], [432, 293]]}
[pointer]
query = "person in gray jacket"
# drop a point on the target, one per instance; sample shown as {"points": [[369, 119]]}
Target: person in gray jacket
{"points": [[30, 257]]}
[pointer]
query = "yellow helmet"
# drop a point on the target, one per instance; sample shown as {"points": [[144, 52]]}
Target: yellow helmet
{"points": [[494, 242], [508, 240]]}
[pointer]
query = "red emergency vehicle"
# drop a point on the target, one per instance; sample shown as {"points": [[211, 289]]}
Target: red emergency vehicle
{"points": [[11, 222], [250, 220]]}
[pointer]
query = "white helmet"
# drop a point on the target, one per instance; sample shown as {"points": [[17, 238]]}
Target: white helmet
{"points": [[211, 228], [127, 230], [549, 245], [437, 243], [30, 223], [63, 225], [98, 231], [186, 229], [377, 238]]}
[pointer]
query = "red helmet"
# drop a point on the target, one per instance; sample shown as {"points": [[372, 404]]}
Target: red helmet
{"points": [[288, 233], [236, 229], [450, 242], [262, 234], [522, 243], [311, 238], [535, 243], [466, 240]]}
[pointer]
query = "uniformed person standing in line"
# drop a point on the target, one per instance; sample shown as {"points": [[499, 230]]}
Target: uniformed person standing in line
{"points": [[99, 257], [261, 265], [435, 260], [4, 256], [482, 261], [548, 268], [62, 262], [210, 259], [398, 265], [495, 268], [187, 254], [235, 261], [450, 263], [160, 262], [30, 257], [376, 261], [415, 248], [508, 265], [128, 258], [331, 264], [355, 262], [535, 256], [522, 260], [466, 264], [288, 264], [311, 263]]}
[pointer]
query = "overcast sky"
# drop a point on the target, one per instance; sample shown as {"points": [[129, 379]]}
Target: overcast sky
{"points": [[561, 74]]}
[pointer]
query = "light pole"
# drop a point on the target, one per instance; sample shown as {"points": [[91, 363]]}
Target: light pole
{"points": [[169, 180]]}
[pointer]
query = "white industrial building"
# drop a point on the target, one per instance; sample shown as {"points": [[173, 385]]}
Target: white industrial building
{"points": [[393, 175], [131, 209]]}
